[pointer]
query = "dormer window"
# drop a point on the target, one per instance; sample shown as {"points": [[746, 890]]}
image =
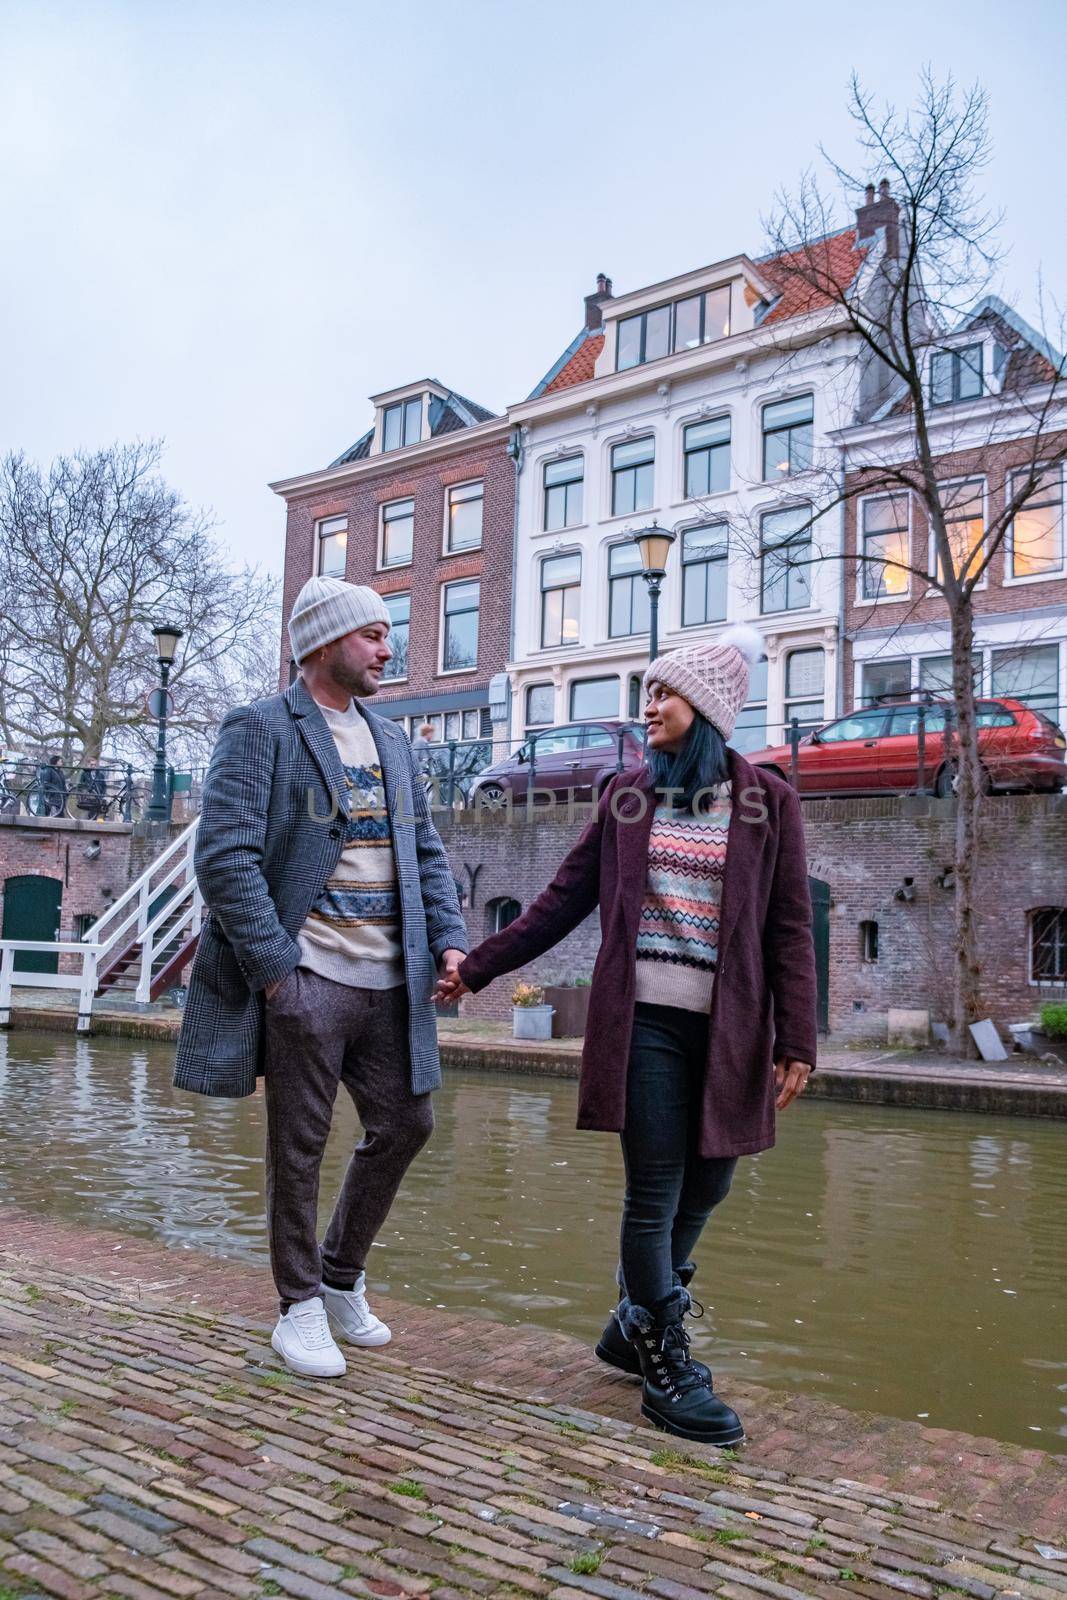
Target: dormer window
{"points": [[956, 375], [402, 424], [666, 330]]}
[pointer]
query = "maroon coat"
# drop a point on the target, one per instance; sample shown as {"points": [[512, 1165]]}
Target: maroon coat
{"points": [[763, 1002]]}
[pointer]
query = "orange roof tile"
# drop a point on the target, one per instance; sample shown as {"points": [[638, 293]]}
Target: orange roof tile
{"points": [[579, 369], [832, 261]]}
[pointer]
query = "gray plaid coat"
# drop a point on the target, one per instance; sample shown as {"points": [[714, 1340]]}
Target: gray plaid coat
{"points": [[270, 836]]}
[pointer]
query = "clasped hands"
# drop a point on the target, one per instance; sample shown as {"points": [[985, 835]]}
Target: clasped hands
{"points": [[450, 986]]}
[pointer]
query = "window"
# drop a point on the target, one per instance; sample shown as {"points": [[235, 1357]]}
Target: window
{"points": [[785, 559], [540, 705], [885, 547], [804, 678], [750, 729], [787, 437], [563, 482], [707, 457], [868, 941], [399, 609], [704, 552], [558, 741], [698, 319], [955, 375], [500, 913], [935, 673], [628, 604], [1048, 945], [1030, 674], [398, 532], [402, 424], [964, 509], [460, 651], [883, 678], [633, 694], [871, 724], [595, 697], [1037, 546], [561, 587], [465, 516], [333, 546], [631, 476]]}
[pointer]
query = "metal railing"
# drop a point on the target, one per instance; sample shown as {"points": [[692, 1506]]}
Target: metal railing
{"points": [[111, 792]]}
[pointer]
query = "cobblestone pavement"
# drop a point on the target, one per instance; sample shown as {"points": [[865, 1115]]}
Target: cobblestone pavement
{"points": [[152, 1450]]}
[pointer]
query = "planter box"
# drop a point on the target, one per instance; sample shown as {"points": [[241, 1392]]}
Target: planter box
{"points": [[1045, 1044], [571, 1004], [531, 1022]]}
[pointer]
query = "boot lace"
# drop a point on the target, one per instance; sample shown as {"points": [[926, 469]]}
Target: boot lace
{"points": [[680, 1375], [311, 1324]]}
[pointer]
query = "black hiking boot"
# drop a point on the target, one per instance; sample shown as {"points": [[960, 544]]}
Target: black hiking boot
{"points": [[677, 1395], [616, 1350]]}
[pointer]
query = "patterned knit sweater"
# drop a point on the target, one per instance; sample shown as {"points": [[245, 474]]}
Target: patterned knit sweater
{"points": [[678, 935]]}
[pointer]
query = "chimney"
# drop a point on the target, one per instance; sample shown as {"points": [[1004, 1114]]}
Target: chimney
{"points": [[881, 213], [593, 302]]}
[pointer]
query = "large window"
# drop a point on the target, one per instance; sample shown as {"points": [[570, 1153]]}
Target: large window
{"points": [[1037, 546], [684, 325], [750, 729], [964, 509], [787, 437], [935, 673], [563, 483], [805, 672], [332, 536], [398, 532], [1048, 945], [460, 647], [885, 547], [594, 697], [561, 587], [881, 679], [399, 609], [632, 473], [402, 424], [955, 375], [540, 705], [1030, 673], [628, 610], [785, 559], [704, 552], [465, 516], [707, 457]]}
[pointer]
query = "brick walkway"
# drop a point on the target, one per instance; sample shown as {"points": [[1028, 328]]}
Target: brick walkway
{"points": [[152, 1446]]}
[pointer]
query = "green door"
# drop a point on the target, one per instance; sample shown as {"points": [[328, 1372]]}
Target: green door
{"points": [[31, 911], [820, 927]]}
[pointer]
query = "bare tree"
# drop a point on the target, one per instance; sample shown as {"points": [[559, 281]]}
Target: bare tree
{"points": [[902, 297], [93, 552]]}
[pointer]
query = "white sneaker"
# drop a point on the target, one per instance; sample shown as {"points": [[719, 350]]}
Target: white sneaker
{"points": [[353, 1318], [303, 1340]]}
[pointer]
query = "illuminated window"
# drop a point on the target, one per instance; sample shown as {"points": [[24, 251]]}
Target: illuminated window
{"points": [[332, 533], [465, 502], [398, 532], [964, 510], [885, 546], [561, 587], [1037, 545]]}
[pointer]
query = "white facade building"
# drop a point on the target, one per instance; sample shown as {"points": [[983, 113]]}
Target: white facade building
{"points": [[699, 403]]}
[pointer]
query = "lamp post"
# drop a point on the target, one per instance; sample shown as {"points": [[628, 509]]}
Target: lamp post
{"points": [[654, 544], [166, 637]]}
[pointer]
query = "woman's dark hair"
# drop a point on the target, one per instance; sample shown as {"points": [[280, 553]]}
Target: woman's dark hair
{"points": [[701, 763]]}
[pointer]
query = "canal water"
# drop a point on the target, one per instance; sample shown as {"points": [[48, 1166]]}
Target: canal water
{"points": [[905, 1262]]}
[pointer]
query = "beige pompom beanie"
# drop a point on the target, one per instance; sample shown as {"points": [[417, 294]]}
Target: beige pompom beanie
{"points": [[712, 677]]}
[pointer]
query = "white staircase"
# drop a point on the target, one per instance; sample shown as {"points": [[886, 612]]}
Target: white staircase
{"points": [[139, 945]]}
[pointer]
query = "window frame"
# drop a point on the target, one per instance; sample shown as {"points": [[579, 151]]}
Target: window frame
{"points": [[1061, 939], [617, 472], [757, 702], [722, 560], [404, 407], [1011, 577], [954, 483], [788, 700], [398, 677], [805, 573], [458, 583], [567, 485], [789, 428], [671, 307], [533, 727], [447, 547], [866, 565], [542, 590], [957, 355], [585, 718], [321, 536], [630, 578], [383, 520], [688, 453]]}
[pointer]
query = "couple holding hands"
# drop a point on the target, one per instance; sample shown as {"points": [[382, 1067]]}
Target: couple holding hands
{"points": [[332, 926]]}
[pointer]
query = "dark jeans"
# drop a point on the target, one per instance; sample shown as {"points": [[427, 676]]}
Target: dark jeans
{"points": [[320, 1034], [671, 1190]]}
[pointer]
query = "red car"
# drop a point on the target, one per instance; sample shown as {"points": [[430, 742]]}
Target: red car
{"points": [[578, 759], [875, 750]]}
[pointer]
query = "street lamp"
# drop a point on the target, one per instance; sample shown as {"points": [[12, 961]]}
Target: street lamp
{"points": [[654, 544], [166, 637]]}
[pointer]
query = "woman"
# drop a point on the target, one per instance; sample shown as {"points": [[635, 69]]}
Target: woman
{"points": [[702, 1008]]}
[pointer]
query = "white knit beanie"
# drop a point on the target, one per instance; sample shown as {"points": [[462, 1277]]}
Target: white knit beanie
{"points": [[712, 677], [328, 608]]}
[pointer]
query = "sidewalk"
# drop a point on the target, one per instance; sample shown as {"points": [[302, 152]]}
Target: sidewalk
{"points": [[152, 1446]]}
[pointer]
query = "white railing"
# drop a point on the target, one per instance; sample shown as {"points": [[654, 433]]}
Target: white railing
{"points": [[125, 923]]}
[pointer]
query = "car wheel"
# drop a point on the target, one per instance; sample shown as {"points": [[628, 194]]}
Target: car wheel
{"points": [[947, 781], [491, 796]]}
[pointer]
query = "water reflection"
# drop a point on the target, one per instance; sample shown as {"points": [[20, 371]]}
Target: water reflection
{"points": [[903, 1262]]}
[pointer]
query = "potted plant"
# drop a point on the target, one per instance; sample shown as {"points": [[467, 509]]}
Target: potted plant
{"points": [[570, 1001], [1052, 1035], [530, 1017]]}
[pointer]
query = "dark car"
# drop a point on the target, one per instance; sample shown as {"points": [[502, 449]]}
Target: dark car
{"points": [[576, 760], [875, 750]]}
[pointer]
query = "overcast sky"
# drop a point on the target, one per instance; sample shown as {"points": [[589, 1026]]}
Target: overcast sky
{"points": [[227, 224]]}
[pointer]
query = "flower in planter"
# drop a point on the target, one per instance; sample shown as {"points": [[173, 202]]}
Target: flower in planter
{"points": [[527, 994]]}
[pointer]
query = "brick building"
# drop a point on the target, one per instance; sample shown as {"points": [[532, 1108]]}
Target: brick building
{"points": [[422, 508], [982, 423]]}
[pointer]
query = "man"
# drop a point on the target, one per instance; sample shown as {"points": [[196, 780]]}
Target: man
{"points": [[91, 794], [330, 902]]}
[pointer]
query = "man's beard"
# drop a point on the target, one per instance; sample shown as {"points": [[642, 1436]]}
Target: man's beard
{"points": [[358, 681]]}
